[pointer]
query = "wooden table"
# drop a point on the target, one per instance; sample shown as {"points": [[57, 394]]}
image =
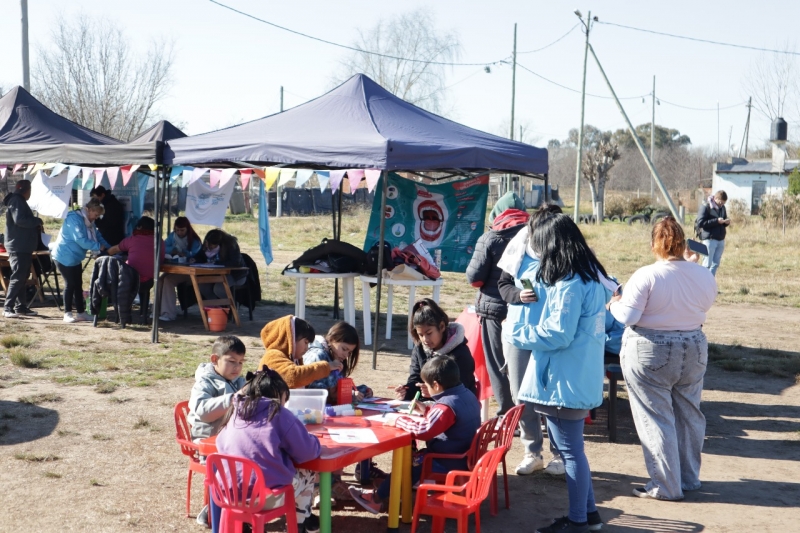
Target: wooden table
{"points": [[33, 279], [205, 274], [336, 456], [391, 283], [348, 290]]}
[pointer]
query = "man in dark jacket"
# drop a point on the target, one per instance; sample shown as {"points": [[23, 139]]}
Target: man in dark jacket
{"points": [[712, 223], [483, 273], [21, 239], [112, 224]]}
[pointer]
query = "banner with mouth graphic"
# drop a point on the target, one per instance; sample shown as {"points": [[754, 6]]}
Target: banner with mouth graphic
{"points": [[448, 217]]}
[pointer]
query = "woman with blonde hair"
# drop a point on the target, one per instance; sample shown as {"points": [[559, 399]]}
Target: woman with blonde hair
{"points": [[664, 356]]}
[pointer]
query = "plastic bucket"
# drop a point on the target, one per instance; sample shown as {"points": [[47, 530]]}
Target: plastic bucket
{"points": [[217, 318]]}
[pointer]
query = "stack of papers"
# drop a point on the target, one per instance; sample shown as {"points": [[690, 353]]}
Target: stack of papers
{"points": [[353, 436]]}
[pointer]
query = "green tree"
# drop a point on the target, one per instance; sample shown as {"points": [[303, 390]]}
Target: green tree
{"points": [[794, 181], [664, 138], [592, 137]]}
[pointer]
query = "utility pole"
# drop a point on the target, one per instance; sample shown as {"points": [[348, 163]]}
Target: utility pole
{"points": [[587, 25], [281, 98], [26, 67], [513, 81], [653, 139], [718, 131], [278, 202], [746, 138]]}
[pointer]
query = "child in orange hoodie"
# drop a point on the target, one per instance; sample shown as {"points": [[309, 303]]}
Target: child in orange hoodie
{"points": [[286, 339]]}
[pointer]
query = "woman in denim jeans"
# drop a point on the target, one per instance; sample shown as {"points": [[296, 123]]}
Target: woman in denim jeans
{"points": [[664, 356]]}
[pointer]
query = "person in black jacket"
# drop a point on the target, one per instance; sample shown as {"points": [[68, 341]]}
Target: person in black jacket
{"points": [[712, 223], [112, 225], [22, 236], [483, 273], [434, 335]]}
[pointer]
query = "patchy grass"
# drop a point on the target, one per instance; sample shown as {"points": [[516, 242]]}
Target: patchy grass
{"points": [[13, 341], [141, 423], [107, 387], [101, 437], [67, 433], [23, 359], [36, 399], [95, 483], [762, 360], [52, 475], [117, 399], [33, 458]]}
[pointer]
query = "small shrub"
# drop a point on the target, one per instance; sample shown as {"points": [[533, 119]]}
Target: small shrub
{"points": [[738, 213], [107, 387], [21, 359], [52, 475], [744, 291], [36, 399], [32, 458], [772, 208], [637, 205], [12, 341], [615, 206], [141, 423]]}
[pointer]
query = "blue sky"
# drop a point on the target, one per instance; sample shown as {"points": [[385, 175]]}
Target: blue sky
{"points": [[228, 69]]}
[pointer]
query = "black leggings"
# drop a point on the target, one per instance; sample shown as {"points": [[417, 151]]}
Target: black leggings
{"points": [[73, 291]]}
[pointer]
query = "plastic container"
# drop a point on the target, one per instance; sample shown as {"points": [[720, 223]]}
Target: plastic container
{"points": [[217, 318], [342, 410], [302, 399]]}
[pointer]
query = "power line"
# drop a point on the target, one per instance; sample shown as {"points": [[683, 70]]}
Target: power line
{"points": [[702, 108], [575, 90], [354, 49], [696, 39], [551, 44]]}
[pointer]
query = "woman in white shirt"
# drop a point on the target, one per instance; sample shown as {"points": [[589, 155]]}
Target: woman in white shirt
{"points": [[664, 356]]}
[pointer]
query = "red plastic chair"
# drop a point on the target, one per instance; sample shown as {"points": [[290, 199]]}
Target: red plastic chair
{"points": [[244, 502], [504, 439], [189, 449], [458, 501]]}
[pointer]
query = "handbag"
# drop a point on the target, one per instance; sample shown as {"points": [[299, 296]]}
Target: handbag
{"points": [[413, 258]]}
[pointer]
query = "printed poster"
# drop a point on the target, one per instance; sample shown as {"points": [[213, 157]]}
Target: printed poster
{"points": [[448, 217]]}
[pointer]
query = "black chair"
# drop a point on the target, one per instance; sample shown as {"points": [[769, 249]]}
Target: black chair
{"points": [[614, 375], [144, 299]]}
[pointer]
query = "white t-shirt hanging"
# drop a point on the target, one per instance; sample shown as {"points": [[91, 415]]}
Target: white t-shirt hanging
{"points": [[205, 205], [51, 197]]}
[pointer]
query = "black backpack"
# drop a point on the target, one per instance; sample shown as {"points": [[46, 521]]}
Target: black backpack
{"points": [[371, 268], [341, 256]]}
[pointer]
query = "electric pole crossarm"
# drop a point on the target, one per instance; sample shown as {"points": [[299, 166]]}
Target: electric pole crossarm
{"points": [[636, 139]]}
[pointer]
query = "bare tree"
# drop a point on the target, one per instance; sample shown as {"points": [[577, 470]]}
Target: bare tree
{"points": [[595, 168], [773, 83], [90, 76], [416, 47]]}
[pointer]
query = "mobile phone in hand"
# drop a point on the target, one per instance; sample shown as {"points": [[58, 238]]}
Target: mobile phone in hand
{"points": [[526, 283]]}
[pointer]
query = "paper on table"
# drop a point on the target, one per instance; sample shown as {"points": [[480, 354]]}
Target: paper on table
{"points": [[387, 416], [354, 436], [375, 406], [399, 403]]}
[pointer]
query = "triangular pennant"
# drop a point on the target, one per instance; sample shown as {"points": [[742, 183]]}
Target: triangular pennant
{"points": [[112, 173], [303, 175], [287, 175], [72, 173], [58, 168], [245, 180], [88, 178], [336, 179], [226, 176], [187, 176], [355, 176], [260, 172], [153, 167], [98, 173], [323, 177], [16, 168], [175, 172], [372, 176], [2, 172], [215, 176], [128, 171], [197, 173], [270, 175], [36, 168], [48, 166]]}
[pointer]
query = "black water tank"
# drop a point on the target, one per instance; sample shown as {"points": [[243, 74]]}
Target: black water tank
{"points": [[778, 131]]}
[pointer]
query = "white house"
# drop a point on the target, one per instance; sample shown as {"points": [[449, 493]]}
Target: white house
{"points": [[750, 181]]}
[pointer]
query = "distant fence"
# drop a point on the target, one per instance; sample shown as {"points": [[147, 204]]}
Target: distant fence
{"points": [[297, 202]]}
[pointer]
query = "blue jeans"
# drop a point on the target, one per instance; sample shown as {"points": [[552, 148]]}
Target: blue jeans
{"points": [[715, 249], [664, 373], [567, 435]]}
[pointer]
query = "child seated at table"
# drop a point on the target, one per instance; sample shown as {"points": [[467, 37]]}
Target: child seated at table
{"points": [[183, 241], [286, 339], [342, 344], [215, 384], [433, 335], [261, 429], [448, 427]]}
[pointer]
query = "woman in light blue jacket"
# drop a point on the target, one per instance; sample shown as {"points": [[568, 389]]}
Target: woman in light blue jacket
{"points": [[77, 236], [564, 378]]}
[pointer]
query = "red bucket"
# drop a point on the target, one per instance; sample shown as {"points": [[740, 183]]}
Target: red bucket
{"points": [[217, 318]]}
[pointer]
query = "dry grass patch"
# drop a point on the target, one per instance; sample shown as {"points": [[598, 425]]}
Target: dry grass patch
{"points": [[36, 399], [141, 423], [33, 458], [12, 341], [52, 475], [22, 358]]}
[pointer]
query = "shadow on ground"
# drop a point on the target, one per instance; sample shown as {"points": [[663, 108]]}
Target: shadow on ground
{"points": [[21, 422]]}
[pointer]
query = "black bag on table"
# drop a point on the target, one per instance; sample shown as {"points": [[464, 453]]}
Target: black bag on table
{"points": [[372, 258], [344, 255]]}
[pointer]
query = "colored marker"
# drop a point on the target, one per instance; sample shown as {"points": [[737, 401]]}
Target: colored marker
{"points": [[414, 402]]}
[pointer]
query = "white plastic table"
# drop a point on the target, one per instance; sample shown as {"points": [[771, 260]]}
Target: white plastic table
{"points": [[348, 297], [391, 283]]}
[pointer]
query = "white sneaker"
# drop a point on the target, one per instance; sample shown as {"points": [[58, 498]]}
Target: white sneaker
{"points": [[530, 463], [10, 314], [555, 467], [69, 318], [202, 517]]}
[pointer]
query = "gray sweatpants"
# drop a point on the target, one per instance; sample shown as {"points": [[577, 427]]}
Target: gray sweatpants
{"points": [[530, 427], [496, 367], [664, 373]]}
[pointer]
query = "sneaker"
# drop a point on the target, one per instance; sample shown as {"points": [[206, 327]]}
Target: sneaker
{"points": [[340, 491], [641, 492], [374, 472], [555, 467], [564, 525], [26, 312], [83, 317], [10, 314], [310, 524], [202, 517], [165, 318], [530, 463], [595, 522], [69, 318], [364, 499]]}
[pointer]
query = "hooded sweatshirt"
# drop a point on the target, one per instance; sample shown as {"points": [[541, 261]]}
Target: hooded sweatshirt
{"points": [[509, 200], [455, 345], [22, 228], [210, 398], [278, 339]]}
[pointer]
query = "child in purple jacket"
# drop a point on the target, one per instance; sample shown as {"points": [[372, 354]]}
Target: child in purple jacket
{"points": [[262, 430]]}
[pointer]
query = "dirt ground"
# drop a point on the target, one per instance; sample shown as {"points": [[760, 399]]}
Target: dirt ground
{"points": [[100, 462]]}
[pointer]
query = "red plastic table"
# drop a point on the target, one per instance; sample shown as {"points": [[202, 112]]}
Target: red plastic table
{"points": [[336, 456]]}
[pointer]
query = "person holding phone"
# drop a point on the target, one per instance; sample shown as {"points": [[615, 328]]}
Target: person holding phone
{"points": [[712, 223]]}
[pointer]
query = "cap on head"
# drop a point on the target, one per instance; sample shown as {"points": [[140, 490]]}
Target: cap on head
{"points": [[23, 185]]}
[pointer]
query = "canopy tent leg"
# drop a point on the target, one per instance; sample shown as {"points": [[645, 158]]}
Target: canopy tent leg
{"points": [[546, 193], [337, 236], [156, 263], [169, 205], [384, 189]]}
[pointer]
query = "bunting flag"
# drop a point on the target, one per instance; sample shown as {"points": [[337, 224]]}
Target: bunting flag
{"points": [[48, 166], [260, 172], [175, 172], [98, 173], [187, 176], [245, 179], [227, 174], [197, 173], [36, 168], [2, 172], [270, 175], [72, 173], [112, 173], [214, 178], [372, 175], [355, 176], [127, 172], [88, 178], [17, 167], [58, 168], [336, 179], [287, 175], [153, 167], [303, 175], [323, 177]]}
